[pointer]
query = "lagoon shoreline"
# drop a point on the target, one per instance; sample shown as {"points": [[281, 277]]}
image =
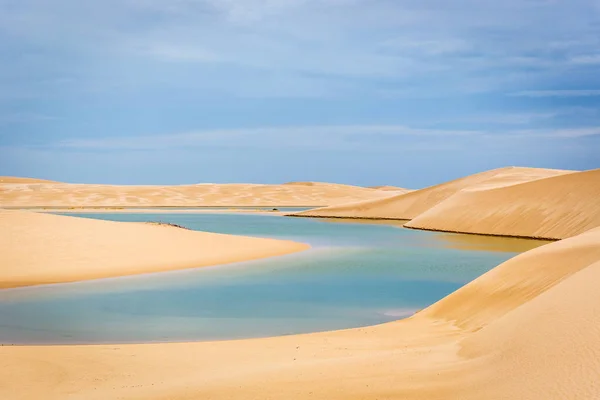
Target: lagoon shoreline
{"points": [[442, 352]]}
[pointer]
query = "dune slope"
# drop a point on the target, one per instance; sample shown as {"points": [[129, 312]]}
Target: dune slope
{"points": [[549, 348], [526, 330], [410, 205], [552, 208], [42, 248], [396, 189], [201, 195]]}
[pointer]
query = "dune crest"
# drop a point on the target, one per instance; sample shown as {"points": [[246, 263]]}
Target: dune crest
{"points": [[552, 208], [521, 202], [410, 205], [42, 248], [396, 189]]}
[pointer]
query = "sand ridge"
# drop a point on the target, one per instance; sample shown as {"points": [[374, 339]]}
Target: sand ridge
{"points": [[16, 179], [38, 248], [519, 202], [396, 189], [199, 195], [527, 330], [554, 208], [410, 205]]}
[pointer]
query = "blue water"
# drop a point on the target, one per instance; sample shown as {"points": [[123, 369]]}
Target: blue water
{"points": [[354, 275]]}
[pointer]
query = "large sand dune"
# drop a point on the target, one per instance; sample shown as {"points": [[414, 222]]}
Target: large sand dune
{"points": [[200, 195], [528, 329], [410, 205], [40, 248], [553, 208]]}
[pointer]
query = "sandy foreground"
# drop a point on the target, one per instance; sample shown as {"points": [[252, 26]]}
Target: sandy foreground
{"points": [[21, 192], [528, 329], [525, 202], [40, 248]]}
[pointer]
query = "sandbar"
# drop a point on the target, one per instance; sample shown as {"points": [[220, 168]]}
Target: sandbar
{"points": [[38, 248]]}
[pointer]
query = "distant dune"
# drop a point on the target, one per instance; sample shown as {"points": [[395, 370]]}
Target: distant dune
{"points": [[555, 207], [14, 179], [410, 205], [40, 248], [200, 195]]}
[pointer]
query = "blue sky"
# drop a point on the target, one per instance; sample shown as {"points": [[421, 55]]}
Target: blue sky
{"points": [[405, 92]]}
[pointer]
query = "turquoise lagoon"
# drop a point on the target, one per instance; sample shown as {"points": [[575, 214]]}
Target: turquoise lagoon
{"points": [[354, 275]]}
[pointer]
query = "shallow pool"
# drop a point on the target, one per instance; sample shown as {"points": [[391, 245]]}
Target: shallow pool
{"points": [[356, 274]]}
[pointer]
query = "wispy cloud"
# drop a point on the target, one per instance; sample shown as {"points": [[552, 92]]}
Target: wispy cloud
{"points": [[564, 133], [466, 45], [25, 117], [284, 136], [558, 93], [575, 132], [177, 52], [350, 75], [354, 137], [590, 59]]}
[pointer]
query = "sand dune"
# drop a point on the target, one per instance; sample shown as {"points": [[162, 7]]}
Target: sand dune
{"points": [[40, 248], [528, 329], [557, 358], [554, 208], [397, 189], [201, 195], [410, 205], [15, 179]]}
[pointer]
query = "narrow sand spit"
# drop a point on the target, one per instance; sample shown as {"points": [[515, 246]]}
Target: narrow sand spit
{"points": [[411, 204], [529, 329], [40, 248], [26, 194]]}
